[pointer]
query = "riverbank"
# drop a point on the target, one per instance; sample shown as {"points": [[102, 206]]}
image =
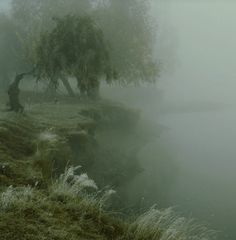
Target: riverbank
{"points": [[46, 195]]}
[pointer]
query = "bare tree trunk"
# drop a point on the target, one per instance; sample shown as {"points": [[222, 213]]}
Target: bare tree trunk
{"points": [[67, 86], [13, 93], [93, 89]]}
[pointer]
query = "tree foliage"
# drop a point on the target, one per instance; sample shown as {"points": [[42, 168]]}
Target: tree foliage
{"points": [[129, 28], [127, 33], [75, 47], [32, 18]]}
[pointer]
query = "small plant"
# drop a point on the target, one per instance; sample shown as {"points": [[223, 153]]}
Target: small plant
{"points": [[70, 184], [165, 225], [14, 196]]}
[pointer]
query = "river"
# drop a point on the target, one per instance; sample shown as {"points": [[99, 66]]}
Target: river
{"points": [[204, 146]]}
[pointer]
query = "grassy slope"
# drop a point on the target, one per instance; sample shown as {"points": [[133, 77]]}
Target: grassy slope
{"points": [[31, 209], [45, 217]]}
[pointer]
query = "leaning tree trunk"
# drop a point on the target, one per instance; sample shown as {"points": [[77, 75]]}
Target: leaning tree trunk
{"points": [[81, 83], [13, 93], [67, 86], [93, 88]]}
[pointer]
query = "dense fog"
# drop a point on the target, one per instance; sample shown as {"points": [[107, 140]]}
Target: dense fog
{"points": [[197, 107], [189, 161], [204, 140]]}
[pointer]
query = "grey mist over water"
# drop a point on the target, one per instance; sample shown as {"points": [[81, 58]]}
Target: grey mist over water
{"points": [[191, 163], [197, 108]]}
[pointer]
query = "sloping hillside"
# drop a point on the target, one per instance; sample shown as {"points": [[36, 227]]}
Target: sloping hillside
{"points": [[46, 195]]}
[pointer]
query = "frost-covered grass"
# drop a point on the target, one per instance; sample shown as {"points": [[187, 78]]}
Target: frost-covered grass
{"points": [[48, 136], [15, 196], [155, 224], [70, 207], [158, 224], [70, 184]]}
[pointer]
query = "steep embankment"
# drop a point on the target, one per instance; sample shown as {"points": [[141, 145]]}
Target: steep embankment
{"points": [[41, 200]]}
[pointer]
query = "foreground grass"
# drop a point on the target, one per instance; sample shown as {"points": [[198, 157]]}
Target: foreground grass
{"points": [[68, 212], [59, 217], [34, 206]]}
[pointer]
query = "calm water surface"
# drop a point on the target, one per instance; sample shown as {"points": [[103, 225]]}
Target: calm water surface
{"points": [[204, 145]]}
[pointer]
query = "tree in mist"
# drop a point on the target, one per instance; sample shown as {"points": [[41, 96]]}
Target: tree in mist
{"points": [[22, 27], [76, 48], [128, 27], [32, 18]]}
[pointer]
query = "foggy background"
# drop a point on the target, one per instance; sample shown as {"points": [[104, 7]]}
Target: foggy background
{"points": [[195, 100], [4, 5], [200, 92], [194, 103], [205, 54]]}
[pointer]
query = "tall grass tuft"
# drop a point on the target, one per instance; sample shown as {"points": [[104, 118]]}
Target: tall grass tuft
{"points": [[15, 196], [70, 184], [165, 225]]}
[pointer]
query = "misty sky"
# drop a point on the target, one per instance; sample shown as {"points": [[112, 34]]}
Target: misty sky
{"points": [[205, 56], [4, 4], [197, 47], [204, 61]]}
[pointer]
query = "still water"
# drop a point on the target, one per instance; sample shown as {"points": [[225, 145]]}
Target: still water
{"points": [[204, 146], [191, 164]]}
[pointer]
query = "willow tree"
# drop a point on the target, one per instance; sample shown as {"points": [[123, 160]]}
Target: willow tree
{"points": [[76, 48], [131, 32], [126, 26], [31, 18]]}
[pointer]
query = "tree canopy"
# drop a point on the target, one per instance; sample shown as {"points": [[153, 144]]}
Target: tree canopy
{"points": [[129, 28], [75, 47], [121, 33]]}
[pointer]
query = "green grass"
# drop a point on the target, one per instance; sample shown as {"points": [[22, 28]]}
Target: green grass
{"points": [[36, 204]]}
